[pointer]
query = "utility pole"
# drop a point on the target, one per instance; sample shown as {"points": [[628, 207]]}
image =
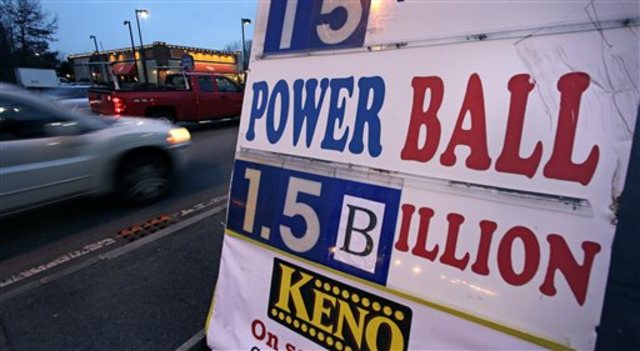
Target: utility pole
{"points": [[133, 49], [244, 21], [95, 42], [144, 14]]}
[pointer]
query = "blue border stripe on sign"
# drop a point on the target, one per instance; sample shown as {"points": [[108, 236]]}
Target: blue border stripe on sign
{"points": [[320, 218]]}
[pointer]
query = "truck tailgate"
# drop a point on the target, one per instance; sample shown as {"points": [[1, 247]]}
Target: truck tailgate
{"points": [[100, 102]]}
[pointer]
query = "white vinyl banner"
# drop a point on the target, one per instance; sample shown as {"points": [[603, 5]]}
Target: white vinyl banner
{"points": [[283, 304], [459, 160]]}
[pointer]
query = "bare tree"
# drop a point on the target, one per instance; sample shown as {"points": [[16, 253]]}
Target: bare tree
{"points": [[6, 68], [29, 31], [237, 46], [234, 46]]}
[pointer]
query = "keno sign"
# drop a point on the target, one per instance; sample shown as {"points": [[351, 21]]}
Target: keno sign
{"points": [[469, 181]]}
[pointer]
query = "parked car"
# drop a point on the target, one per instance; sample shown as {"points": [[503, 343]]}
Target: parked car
{"points": [[48, 154], [72, 97], [189, 97]]}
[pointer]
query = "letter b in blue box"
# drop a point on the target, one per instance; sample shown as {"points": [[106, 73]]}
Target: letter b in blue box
{"points": [[359, 232], [309, 25]]}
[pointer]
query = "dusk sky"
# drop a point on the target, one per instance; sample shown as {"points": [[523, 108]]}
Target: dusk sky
{"points": [[208, 24]]}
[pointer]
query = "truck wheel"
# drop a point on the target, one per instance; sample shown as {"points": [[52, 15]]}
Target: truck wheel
{"points": [[164, 116], [144, 179]]}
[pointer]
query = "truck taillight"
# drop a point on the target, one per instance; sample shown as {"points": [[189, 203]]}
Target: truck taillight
{"points": [[118, 105]]}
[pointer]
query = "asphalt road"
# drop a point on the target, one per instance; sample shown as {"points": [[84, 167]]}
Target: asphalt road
{"points": [[91, 274]]}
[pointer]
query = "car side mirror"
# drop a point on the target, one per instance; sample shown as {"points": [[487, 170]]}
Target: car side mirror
{"points": [[56, 129]]}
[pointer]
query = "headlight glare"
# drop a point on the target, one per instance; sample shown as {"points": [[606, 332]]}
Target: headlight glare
{"points": [[178, 136]]}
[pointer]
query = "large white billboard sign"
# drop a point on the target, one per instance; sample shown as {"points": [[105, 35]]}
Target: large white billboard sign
{"points": [[459, 161]]}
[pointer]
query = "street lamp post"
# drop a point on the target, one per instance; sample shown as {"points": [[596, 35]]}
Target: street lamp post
{"points": [[133, 49], [144, 14], [244, 48], [95, 42]]}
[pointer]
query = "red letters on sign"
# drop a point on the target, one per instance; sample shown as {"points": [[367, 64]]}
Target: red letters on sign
{"points": [[531, 256], [421, 244], [561, 259], [560, 256], [449, 255], [428, 119], [474, 137], [481, 266], [510, 160], [559, 166]]}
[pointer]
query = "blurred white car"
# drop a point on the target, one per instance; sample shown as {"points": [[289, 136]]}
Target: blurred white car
{"points": [[48, 153]]}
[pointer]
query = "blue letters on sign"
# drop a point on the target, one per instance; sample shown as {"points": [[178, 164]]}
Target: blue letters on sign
{"points": [[308, 25], [275, 102], [342, 224]]}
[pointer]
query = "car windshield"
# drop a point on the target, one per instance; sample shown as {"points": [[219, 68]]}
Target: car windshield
{"points": [[67, 92], [91, 120]]}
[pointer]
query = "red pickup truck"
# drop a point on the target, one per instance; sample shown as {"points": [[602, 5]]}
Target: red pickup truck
{"points": [[189, 97]]}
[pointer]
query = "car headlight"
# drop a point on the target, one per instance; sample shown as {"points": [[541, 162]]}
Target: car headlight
{"points": [[178, 136]]}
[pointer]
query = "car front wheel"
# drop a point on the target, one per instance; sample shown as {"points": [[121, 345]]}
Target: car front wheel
{"points": [[145, 179]]}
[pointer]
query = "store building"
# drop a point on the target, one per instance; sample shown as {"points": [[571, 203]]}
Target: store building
{"points": [[160, 59]]}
